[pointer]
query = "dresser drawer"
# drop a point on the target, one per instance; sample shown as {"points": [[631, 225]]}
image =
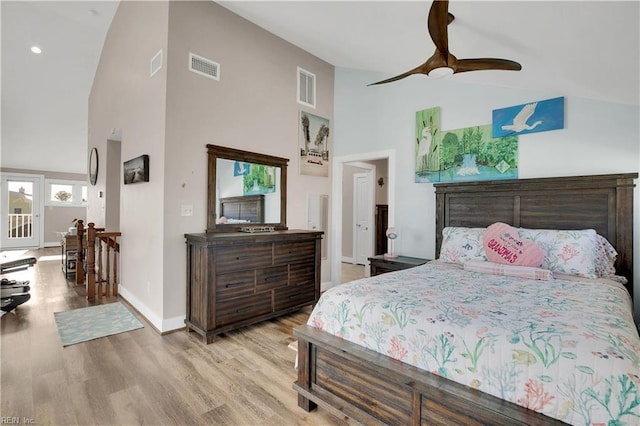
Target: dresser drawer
{"points": [[293, 252], [243, 257], [295, 295], [242, 308], [302, 274], [273, 277], [235, 284]]}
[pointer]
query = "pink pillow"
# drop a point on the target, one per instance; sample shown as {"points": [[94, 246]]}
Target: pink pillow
{"points": [[502, 244]]}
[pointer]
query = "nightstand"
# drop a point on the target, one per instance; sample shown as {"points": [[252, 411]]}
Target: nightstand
{"points": [[381, 264]]}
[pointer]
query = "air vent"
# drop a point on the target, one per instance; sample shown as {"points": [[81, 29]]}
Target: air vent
{"points": [[204, 66], [156, 63], [306, 88]]}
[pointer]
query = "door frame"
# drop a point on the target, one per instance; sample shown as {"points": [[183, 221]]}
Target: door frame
{"points": [[39, 229], [336, 208], [369, 172]]}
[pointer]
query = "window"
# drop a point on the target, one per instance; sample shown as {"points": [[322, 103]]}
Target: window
{"points": [[65, 192], [306, 88]]}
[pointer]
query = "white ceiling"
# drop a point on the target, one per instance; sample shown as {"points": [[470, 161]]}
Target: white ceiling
{"points": [[586, 49], [45, 97], [575, 48]]}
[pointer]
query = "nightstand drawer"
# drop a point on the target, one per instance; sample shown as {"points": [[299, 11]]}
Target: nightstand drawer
{"points": [[381, 264]]}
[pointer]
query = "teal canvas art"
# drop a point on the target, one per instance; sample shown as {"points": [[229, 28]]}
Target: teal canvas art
{"points": [[540, 116]]}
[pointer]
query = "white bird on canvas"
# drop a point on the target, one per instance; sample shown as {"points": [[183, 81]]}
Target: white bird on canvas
{"points": [[425, 143], [521, 118]]}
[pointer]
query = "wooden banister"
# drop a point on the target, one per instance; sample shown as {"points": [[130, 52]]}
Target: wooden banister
{"points": [[80, 259], [110, 255]]}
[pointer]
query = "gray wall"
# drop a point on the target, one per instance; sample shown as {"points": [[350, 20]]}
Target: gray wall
{"points": [[173, 115]]}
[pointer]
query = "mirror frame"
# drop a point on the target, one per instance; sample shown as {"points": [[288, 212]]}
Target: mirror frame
{"points": [[93, 166], [213, 153]]}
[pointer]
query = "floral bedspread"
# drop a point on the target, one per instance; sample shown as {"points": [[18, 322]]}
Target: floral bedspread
{"points": [[567, 347]]}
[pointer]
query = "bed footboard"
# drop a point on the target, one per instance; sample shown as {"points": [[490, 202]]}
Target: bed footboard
{"points": [[352, 381]]}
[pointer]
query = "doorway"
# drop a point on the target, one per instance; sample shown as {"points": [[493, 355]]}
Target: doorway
{"points": [[340, 164], [363, 216], [22, 224]]}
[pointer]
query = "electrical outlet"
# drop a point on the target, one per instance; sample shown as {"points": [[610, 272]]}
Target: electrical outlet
{"points": [[187, 210]]}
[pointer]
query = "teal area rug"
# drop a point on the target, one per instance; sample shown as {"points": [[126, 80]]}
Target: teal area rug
{"points": [[83, 324]]}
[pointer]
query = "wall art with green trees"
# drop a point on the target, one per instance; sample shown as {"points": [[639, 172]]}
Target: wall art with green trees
{"points": [[467, 154]]}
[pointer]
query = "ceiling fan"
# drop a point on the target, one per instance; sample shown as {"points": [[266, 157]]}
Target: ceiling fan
{"points": [[442, 62]]}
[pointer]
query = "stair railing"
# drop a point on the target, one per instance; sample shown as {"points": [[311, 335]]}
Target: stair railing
{"points": [[101, 247]]}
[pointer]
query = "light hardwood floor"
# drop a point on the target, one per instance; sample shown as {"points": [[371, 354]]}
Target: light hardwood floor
{"points": [[351, 272], [141, 377]]}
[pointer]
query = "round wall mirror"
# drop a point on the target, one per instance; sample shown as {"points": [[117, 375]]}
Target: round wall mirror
{"points": [[93, 166]]}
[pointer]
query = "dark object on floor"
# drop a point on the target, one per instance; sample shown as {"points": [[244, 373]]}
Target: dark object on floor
{"points": [[17, 265], [14, 293], [8, 304], [12, 283], [8, 291]]}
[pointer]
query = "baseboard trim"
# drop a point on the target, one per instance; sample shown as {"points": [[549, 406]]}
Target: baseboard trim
{"points": [[160, 325]]}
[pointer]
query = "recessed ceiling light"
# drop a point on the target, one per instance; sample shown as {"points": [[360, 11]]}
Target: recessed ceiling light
{"points": [[36, 50]]}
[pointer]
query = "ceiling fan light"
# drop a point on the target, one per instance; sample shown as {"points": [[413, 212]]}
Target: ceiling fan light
{"points": [[440, 72]]}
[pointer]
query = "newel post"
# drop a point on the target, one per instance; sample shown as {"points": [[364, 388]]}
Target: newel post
{"points": [[80, 255], [91, 262]]}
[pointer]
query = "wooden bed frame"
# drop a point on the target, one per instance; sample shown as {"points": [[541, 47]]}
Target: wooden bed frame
{"points": [[246, 207], [352, 381]]}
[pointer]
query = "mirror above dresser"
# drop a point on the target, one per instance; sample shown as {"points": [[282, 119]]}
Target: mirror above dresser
{"points": [[235, 279], [245, 190]]}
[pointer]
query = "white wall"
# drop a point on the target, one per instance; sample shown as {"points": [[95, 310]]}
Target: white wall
{"points": [[598, 138]]}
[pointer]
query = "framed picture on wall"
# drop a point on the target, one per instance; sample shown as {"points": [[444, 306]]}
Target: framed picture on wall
{"points": [[136, 170], [314, 143]]}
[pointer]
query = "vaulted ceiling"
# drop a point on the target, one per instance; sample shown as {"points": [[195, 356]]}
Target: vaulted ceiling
{"points": [[586, 49]]}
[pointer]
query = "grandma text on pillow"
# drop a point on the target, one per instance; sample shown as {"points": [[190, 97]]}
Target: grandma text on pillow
{"points": [[503, 244]]}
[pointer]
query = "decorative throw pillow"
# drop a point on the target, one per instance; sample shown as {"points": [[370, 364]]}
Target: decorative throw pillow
{"points": [[527, 272], [605, 258], [461, 244], [503, 244], [570, 252]]}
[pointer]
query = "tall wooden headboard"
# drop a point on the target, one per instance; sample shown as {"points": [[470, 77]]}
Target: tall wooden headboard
{"points": [[600, 202], [249, 208]]}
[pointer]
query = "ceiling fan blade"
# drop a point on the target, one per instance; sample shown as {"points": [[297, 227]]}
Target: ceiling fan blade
{"points": [[437, 22], [417, 70], [479, 64]]}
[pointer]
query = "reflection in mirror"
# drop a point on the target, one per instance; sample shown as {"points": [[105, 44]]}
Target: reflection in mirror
{"points": [[247, 192]]}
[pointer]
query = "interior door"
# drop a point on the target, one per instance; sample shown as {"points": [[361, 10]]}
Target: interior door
{"points": [[21, 211], [363, 211]]}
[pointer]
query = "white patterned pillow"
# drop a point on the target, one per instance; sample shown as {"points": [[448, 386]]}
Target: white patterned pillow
{"points": [[570, 252], [606, 260], [460, 245]]}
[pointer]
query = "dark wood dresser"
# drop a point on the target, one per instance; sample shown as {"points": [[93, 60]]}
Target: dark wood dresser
{"points": [[235, 279]]}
